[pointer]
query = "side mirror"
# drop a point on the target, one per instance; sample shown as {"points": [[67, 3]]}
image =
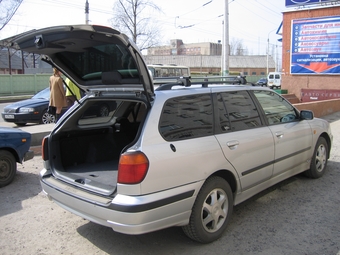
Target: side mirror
{"points": [[306, 115]]}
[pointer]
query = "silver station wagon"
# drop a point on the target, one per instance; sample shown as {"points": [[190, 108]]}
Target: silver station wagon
{"points": [[180, 155]]}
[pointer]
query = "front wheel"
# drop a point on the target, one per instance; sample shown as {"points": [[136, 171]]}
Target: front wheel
{"points": [[211, 211], [319, 159], [8, 168], [47, 118]]}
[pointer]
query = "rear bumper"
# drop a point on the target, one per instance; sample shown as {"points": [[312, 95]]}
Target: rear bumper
{"points": [[125, 214]]}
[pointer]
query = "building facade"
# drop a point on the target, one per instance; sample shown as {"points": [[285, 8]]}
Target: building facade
{"points": [[318, 35], [205, 58], [177, 47]]}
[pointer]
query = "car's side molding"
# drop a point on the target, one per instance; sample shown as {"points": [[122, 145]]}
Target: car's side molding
{"points": [[153, 205], [249, 171]]}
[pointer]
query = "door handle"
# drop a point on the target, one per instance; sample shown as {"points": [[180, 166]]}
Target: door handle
{"points": [[279, 134], [233, 144]]}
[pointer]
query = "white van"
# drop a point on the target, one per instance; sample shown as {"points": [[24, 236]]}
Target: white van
{"points": [[274, 80]]}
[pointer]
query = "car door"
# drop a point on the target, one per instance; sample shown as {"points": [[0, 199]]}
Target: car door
{"points": [[246, 143], [292, 137]]}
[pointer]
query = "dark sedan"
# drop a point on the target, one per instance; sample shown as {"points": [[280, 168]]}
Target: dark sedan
{"points": [[33, 110], [14, 147], [262, 82]]}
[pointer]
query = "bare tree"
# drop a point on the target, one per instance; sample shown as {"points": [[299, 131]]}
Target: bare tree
{"points": [[7, 10], [134, 18], [237, 48]]}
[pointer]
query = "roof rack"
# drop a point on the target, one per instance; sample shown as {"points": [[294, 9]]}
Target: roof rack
{"points": [[204, 81]]}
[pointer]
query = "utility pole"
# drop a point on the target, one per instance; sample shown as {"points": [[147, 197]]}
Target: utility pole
{"points": [[87, 12], [226, 40]]}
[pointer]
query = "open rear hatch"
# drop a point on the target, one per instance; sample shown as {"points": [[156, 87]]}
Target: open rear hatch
{"points": [[84, 149], [93, 57]]}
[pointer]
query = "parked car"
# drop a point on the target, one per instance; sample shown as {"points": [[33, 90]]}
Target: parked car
{"points": [[181, 155], [274, 80], [262, 82], [33, 110], [14, 147]]}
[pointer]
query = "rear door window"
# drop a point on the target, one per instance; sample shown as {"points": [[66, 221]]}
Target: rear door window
{"points": [[187, 117], [237, 111]]}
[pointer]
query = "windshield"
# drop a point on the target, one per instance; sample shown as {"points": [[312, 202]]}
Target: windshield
{"points": [[43, 94]]}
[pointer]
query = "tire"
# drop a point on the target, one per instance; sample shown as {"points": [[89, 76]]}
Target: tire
{"points": [[8, 168], [211, 211], [103, 111], [319, 159], [47, 118]]}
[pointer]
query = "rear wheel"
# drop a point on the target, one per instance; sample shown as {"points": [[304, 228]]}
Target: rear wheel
{"points": [[8, 168], [211, 211], [47, 118], [319, 159]]}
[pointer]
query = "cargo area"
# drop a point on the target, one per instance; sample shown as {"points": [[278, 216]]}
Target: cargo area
{"points": [[88, 154]]}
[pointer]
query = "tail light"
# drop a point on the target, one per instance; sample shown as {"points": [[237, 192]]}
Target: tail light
{"points": [[132, 168], [44, 148]]}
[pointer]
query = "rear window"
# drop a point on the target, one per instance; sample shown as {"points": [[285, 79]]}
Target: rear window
{"points": [[90, 63]]}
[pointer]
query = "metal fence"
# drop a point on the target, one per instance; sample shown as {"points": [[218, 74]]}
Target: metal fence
{"points": [[23, 84], [30, 84]]}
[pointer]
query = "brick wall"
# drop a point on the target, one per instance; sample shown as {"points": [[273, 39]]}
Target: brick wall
{"points": [[294, 83], [320, 108]]}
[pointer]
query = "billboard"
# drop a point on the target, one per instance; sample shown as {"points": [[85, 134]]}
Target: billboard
{"points": [[315, 46], [294, 3]]}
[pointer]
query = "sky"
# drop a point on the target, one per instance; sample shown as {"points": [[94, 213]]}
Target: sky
{"points": [[251, 21]]}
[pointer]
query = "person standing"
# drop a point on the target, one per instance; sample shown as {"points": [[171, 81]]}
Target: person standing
{"points": [[72, 92], [57, 92]]}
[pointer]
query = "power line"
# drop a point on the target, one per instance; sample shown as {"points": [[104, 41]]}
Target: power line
{"points": [[196, 8], [250, 10]]}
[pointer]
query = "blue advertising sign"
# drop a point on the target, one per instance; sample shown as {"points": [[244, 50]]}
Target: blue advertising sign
{"points": [[292, 3], [315, 46]]}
